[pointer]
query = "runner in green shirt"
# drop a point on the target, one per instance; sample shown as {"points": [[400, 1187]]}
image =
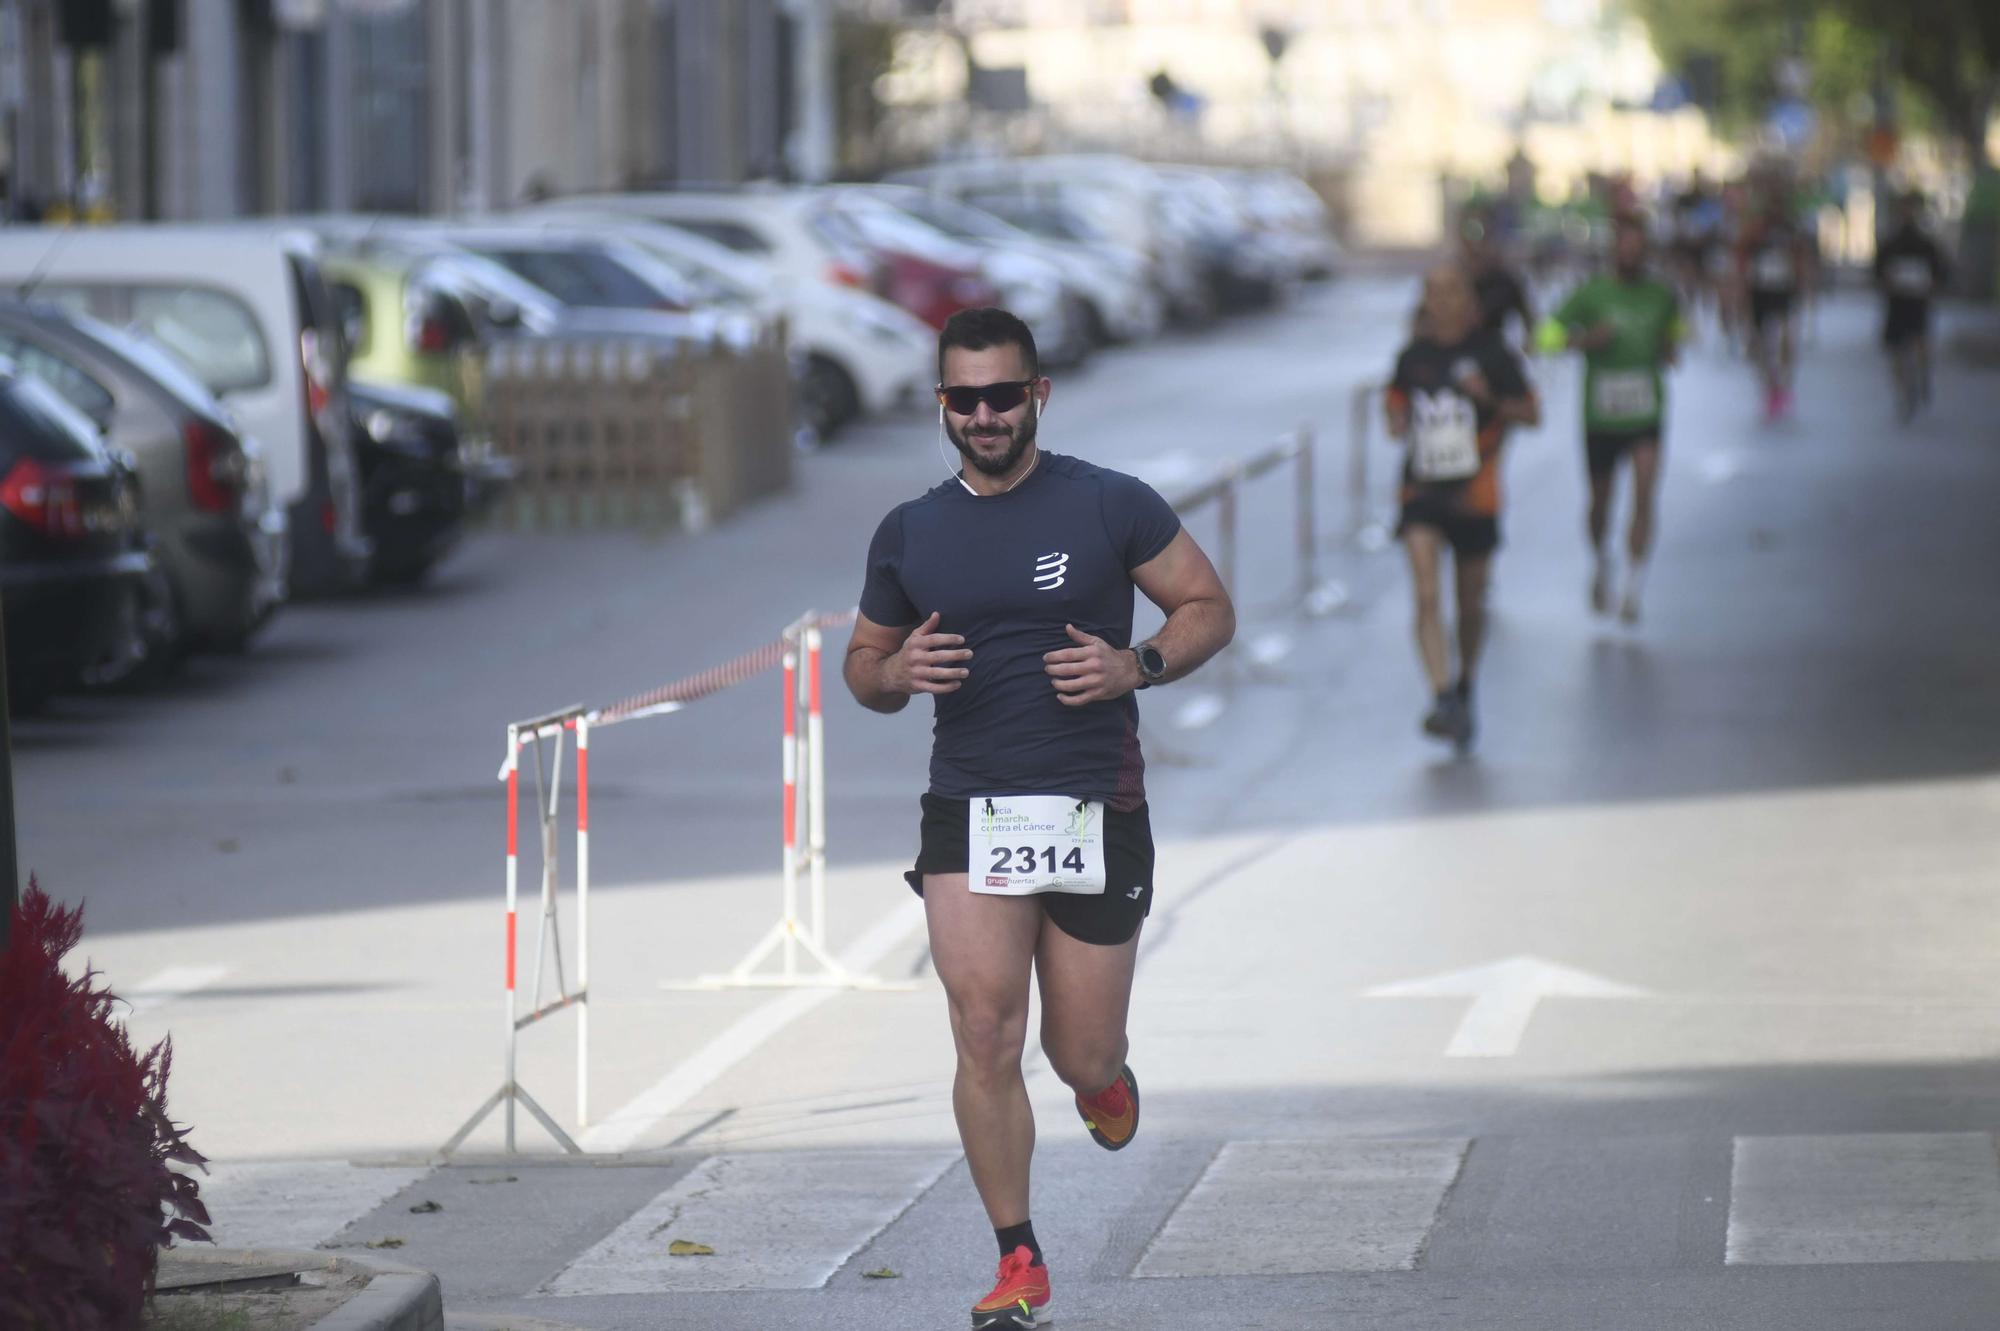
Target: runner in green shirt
{"points": [[1627, 323]]}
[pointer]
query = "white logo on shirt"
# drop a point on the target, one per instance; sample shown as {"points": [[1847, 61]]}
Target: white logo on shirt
{"points": [[1050, 571]]}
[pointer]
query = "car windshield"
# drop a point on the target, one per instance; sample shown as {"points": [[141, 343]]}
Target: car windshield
{"points": [[152, 360], [586, 277]]}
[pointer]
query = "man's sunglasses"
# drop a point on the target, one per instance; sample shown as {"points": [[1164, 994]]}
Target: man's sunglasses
{"points": [[964, 399]]}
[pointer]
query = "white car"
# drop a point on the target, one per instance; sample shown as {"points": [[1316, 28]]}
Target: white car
{"points": [[1120, 302], [1031, 285], [244, 307], [862, 354]]}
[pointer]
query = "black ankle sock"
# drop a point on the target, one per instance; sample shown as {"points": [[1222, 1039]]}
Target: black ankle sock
{"points": [[1019, 1236]]}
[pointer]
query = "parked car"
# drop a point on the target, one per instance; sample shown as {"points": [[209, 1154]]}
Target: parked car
{"points": [[801, 230], [861, 354], [415, 479], [1114, 292], [203, 494], [1025, 281], [1103, 198], [1246, 265], [505, 304], [782, 227], [406, 320], [73, 565], [244, 307]]}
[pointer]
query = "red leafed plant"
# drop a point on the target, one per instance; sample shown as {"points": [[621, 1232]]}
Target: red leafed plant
{"points": [[86, 1197]]}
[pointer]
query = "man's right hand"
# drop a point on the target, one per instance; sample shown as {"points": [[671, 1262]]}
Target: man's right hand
{"points": [[927, 662]]}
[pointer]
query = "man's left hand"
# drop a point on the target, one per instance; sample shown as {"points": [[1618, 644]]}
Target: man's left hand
{"points": [[1091, 671]]}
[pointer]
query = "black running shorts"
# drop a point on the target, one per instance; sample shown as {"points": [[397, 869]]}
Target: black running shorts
{"points": [[1906, 321], [1605, 449], [1470, 535], [1769, 307], [1106, 918]]}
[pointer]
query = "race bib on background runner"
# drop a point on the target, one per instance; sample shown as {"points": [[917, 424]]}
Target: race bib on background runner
{"points": [[1444, 437], [1025, 844], [1772, 269], [1623, 394], [1910, 276]]}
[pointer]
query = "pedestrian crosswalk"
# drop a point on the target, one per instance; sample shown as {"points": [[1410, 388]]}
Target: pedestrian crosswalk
{"points": [[790, 1220]]}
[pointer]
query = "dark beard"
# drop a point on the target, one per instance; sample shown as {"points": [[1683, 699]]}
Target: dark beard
{"points": [[1006, 462]]}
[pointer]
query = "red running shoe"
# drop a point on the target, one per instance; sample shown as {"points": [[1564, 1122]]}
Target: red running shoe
{"points": [[1020, 1297], [1112, 1115]]}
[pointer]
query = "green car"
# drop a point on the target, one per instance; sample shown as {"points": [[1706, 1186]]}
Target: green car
{"points": [[404, 326]]}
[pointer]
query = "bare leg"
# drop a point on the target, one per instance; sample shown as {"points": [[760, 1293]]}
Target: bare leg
{"points": [[1425, 546], [1603, 485], [1645, 486], [1472, 577], [1086, 993], [983, 948]]}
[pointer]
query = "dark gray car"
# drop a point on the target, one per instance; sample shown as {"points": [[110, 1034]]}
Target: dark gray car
{"points": [[203, 498]]}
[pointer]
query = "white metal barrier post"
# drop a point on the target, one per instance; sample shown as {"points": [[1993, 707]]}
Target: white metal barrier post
{"points": [[521, 735], [804, 772]]}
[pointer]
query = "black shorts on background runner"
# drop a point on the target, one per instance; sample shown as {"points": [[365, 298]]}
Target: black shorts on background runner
{"points": [[1605, 449], [1906, 321], [1769, 307], [1107, 918], [1470, 535]]}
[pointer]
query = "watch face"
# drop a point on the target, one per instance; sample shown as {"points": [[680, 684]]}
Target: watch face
{"points": [[1151, 664]]}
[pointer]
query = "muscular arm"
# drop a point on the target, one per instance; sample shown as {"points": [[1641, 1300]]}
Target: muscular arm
{"points": [[1201, 619], [886, 665], [1200, 622]]}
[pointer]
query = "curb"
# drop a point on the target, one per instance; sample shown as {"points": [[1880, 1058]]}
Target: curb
{"points": [[397, 1298]]}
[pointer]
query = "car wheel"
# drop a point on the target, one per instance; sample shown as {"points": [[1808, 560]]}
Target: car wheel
{"points": [[827, 397]]}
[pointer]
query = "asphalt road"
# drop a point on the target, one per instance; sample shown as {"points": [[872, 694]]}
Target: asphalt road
{"points": [[1672, 1006]]}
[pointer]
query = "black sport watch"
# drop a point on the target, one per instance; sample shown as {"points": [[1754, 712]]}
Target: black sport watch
{"points": [[1152, 666]]}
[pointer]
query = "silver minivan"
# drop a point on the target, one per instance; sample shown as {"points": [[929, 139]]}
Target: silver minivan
{"points": [[244, 307]]}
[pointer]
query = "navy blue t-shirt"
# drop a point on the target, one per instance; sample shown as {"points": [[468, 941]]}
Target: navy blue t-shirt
{"points": [[1007, 572]]}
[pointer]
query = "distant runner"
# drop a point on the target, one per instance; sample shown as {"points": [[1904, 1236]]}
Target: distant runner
{"points": [[1628, 325], [1910, 270], [1774, 266], [1006, 594], [1456, 390], [1502, 294]]}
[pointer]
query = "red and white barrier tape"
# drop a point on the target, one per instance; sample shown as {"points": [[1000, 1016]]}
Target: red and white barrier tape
{"points": [[714, 680]]}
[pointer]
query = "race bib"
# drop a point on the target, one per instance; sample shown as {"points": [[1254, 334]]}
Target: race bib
{"points": [[1622, 394], [1024, 844], [1444, 437], [1910, 276], [1772, 269]]}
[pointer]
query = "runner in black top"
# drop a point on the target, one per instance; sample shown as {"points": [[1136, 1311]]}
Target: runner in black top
{"points": [[1910, 270], [1456, 391], [1501, 292], [1006, 593]]}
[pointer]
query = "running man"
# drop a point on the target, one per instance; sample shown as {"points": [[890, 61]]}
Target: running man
{"points": [[1910, 270], [1501, 292], [1006, 594], [1774, 265], [1456, 391], [1627, 323]]}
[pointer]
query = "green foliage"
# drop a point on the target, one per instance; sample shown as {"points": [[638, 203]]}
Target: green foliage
{"points": [[1942, 56]]}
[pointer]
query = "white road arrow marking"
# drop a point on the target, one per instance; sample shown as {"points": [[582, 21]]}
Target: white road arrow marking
{"points": [[1504, 995]]}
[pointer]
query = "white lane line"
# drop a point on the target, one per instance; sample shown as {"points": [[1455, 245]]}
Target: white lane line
{"points": [[776, 1220], [293, 1203], [1504, 997], [1864, 1197], [1306, 1208], [171, 983], [741, 1038]]}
